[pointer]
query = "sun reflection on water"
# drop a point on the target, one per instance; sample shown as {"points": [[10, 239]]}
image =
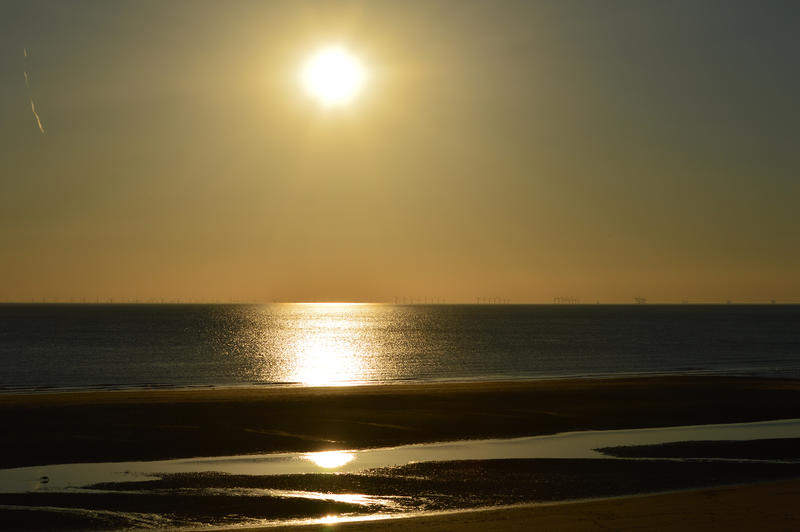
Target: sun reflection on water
{"points": [[330, 459], [325, 345]]}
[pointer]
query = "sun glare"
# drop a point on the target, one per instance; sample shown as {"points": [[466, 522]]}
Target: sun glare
{"points": [[333, 76], [330, 459]]}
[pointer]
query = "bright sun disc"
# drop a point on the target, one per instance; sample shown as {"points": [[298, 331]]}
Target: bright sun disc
{"points": [[333, 76]]}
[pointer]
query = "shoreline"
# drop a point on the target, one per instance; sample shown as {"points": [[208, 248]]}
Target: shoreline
{"points": [[122, 425], [399, 385], [154, 387]]}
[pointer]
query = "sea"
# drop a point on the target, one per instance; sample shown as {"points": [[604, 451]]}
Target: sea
{"points": [[57, 347]]}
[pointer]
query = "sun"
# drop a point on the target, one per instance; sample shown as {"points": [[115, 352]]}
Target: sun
{"points": [[333, 76]]}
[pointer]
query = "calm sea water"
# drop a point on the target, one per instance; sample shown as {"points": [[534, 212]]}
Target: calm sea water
{"points": [[99, 346]]}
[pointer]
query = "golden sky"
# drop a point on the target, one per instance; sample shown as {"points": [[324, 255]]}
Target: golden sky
{"points": [[519, 150]]}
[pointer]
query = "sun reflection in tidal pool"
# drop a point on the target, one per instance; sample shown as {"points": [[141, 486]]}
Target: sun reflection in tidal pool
{"points": [[330, 459]]}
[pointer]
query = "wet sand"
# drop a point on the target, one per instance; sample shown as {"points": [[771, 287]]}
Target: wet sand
{"points": [[771, 506], [213, 499], [777, 449], [52, 428], [41, 429]]}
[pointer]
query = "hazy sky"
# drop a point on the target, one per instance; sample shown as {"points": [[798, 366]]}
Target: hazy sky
{"points": [[527, 150]]}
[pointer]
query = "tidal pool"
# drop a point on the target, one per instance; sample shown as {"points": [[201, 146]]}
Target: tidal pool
{"points": [[581, 444]]}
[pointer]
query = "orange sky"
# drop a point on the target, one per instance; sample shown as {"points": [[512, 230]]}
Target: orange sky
{"points": [[520, 150]]}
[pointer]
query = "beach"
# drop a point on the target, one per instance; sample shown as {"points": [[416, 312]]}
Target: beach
{"points": [[772, 505], [157, 424], [144, 425]]}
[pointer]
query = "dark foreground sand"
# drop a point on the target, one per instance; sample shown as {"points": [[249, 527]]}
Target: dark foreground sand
{"points": [[771, 506], [42, 429], [141, 425], [203, 499]]}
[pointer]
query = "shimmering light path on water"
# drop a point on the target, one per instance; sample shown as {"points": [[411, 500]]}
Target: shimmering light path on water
{"points": [[111, 346]]}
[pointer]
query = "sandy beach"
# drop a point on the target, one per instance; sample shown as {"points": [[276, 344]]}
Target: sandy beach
{"points": [[156, 424], [77, 427], [768, 505]]}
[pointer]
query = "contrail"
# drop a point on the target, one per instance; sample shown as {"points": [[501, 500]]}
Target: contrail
{"points": [[30, 95], [36, 115]]}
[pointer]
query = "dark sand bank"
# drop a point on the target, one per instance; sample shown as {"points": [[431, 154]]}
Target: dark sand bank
{"points": [[99, 426], [771, 506], [777, 449], [142, 425], [197, 500], [430, 486]]}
